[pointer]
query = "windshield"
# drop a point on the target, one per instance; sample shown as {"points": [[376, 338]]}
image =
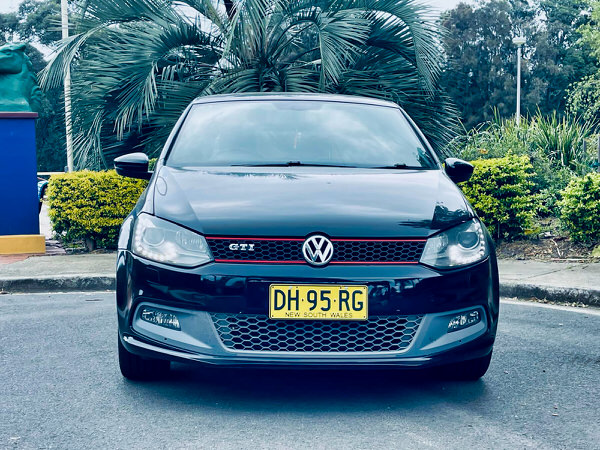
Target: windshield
{"points": [[297, 132]]}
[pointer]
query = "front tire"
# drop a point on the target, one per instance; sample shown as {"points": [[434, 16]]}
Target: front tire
{"points": [[134, 367]]}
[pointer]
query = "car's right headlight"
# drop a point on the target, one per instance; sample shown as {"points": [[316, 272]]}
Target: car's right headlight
{"points": [[459, 246], [165, 242]]}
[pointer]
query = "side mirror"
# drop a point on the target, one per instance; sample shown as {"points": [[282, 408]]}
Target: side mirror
{"points": [[458, 170], [133, 165]]}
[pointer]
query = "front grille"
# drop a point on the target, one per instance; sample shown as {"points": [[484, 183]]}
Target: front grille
{"points": [[377, 251], [259, 333], [345, 251]]}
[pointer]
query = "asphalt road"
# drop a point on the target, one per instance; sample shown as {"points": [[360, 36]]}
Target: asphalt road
{"points": [[60, 387]]}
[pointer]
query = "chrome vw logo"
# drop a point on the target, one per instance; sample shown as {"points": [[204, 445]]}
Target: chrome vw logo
{"points": [[317, 250]]}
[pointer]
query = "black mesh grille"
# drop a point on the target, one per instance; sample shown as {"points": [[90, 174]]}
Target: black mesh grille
{"points": [[262, 250], [344, 251], [259, 333], [377, 251]]}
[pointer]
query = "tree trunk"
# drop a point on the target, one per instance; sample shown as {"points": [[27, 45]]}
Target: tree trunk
{"points": [[90, 244]]}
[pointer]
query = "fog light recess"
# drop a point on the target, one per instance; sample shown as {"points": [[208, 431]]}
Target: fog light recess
{"points": [[160, 318], [464, 320]]}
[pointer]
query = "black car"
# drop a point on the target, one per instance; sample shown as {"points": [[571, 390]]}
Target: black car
{"points": [[303, 230]]}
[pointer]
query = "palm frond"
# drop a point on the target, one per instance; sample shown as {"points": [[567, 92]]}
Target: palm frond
{"points": [[137, 63]]}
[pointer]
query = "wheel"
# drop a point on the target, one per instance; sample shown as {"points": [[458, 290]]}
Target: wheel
{"points": [[134, 367], [470, 370]]}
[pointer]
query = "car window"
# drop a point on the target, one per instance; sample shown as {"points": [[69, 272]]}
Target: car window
{"points": [[308, 132]]}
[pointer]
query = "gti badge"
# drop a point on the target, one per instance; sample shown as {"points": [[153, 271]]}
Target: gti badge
{"points": [[241, 247], [317, 250]]}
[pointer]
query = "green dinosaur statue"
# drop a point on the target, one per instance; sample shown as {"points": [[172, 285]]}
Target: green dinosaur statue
{"points": [[18, 84]]}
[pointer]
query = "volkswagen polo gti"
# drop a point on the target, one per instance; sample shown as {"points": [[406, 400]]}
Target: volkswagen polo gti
{"points": [[303, 230]]}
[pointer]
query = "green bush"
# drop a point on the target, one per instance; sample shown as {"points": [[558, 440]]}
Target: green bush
{"points": [[493, 139], [548, 182], [550, 141], [555, 147], [562, 141], [91, 205], [500, 192], [580, 208]]}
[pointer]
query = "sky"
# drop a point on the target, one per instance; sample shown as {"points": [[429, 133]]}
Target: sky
{"points": [[442, 5], [9, 5]]}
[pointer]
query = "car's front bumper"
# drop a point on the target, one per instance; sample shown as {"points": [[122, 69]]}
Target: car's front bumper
{"points": [[196, 295], [199, 341]]}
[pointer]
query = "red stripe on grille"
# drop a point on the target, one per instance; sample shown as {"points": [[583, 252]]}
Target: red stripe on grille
{"points": [[235, 238], [378, 240], [374, 262], [258, 261], [254, 261]]}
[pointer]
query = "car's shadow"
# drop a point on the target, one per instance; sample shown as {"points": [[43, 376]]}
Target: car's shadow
{"points": [[292, 390]]}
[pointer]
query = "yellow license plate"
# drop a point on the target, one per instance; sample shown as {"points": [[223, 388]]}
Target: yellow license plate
{"points": [[318, 302]]}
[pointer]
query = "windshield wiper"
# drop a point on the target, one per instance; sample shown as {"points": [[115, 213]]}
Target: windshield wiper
{"points": [[400, 166], [291, 164]]}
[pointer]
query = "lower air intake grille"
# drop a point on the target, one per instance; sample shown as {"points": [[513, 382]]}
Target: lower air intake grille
{"points": [[259, 333]]}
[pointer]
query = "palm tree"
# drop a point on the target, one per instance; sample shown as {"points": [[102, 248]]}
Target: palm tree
{"points": [[136, 64]]}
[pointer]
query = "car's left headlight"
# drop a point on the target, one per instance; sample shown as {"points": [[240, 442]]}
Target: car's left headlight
{"points": [[165, 242], [459, 246]]}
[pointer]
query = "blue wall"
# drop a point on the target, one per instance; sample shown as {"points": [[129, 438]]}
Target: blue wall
{"points": [[18, 176]]}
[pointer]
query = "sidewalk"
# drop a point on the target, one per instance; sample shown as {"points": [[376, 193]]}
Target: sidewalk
{"points": [[555, 281], [60, 273], [566, 282]]}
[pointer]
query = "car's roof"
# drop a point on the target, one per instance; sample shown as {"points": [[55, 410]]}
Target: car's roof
{"points": [[266, 96]]}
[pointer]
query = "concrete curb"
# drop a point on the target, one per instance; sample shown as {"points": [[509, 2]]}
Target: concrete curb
{"points": [[589, 297], [63, 283], [106, 282]]}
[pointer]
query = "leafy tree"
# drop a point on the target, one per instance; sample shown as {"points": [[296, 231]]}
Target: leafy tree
{"points": [[35, 20], [481, 69], [584, 96], [590, 31], [559, 59], [50, 125], [9, 25], [479, 75], [136, 64]]}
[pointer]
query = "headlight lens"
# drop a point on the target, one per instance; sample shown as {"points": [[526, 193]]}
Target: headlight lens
{"points": [[459, 246], [165, 242]]}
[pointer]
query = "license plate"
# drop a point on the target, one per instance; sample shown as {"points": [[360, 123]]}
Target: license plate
{"points": [[318, 302]]}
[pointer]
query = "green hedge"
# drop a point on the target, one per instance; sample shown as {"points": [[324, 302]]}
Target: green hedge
{"points": [[580, 208], [92, 205], [500, 192]]}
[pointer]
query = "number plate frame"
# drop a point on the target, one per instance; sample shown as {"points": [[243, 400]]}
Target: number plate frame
{"points": [[341, 306]]}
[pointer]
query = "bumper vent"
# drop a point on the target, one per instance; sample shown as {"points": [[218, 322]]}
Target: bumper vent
{"points": [[345, 251], [259, 333]]}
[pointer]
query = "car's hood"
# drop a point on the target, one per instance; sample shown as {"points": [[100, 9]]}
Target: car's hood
{"points": [[297, 201]]}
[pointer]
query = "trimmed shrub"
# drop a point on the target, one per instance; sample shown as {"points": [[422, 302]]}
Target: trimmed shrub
{"points": [[92, 205], [500, 192], [580, 208]]}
